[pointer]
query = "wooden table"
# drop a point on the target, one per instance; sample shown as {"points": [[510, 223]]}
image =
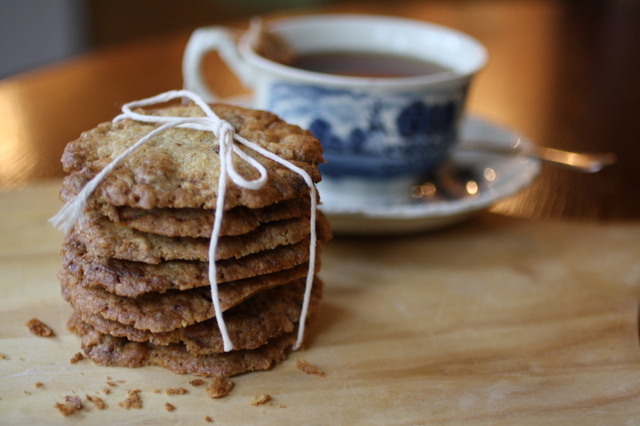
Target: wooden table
{"points": [[527, 315]]}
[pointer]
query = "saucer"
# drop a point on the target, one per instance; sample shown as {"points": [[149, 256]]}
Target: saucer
{"points": [[508, 174], [495, 177]]}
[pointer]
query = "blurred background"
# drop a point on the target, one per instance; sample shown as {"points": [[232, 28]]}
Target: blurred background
{"points": [[565, 73], [37, 32]]}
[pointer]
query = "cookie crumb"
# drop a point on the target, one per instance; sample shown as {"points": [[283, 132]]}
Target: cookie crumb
{"points": [[2, 356], [261, 399], [120, 381], [219, 387], [27, 392], [38, 384], [97, 402], [176, 391], [106, 390], [111, 383], [208, 419], [132, 400], [169, 407], [39, 328], [196, 382], [72, 405], [303, 365], [156, 391], [77, 357], [282, 406]]}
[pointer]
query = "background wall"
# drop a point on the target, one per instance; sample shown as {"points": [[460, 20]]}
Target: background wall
{"points": [[37, 32]]}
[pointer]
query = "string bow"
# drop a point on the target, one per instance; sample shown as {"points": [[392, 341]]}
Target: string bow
{"points": [[72, 212]]}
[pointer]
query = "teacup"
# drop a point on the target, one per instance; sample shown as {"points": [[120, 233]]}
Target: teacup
{"points": [[380, 134]]}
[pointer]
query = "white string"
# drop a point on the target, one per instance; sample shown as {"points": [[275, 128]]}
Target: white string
{"points": [[313, 233], [72, 212]]}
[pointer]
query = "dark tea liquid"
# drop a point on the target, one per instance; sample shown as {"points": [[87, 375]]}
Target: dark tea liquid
{"points": [[358, 64]]}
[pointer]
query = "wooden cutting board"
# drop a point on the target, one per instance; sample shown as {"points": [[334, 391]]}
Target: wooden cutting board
{"points": [[496, 321]]}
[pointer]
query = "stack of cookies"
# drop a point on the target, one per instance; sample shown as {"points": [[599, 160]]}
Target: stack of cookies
{"points": [[135, 268]]}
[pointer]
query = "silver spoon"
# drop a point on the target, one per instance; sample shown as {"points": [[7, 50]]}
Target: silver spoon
{"points": [[583, 162], [454, 182], [450, 182]]}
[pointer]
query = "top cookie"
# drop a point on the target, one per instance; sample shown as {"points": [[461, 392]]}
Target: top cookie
{"points": [[180, 168]]}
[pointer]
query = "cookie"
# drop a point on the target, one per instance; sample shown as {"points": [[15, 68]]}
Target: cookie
{"points": [[103, 238], [160, 312], [250, 325], [136, 264], [198, 223], [131, 279], [107, 350], [180, 168]]}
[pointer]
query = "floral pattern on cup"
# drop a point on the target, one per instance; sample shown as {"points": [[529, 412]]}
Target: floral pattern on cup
{"points": [[365, 135]]}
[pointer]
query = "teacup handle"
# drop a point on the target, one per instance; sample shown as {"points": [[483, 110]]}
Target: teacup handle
{"points": [[225, 41]]}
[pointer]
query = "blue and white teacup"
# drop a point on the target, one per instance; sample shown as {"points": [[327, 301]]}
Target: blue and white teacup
{"points": [[380, 134]]}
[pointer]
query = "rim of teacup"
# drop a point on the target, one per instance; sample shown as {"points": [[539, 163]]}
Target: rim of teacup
{"points": [[476, 57]]}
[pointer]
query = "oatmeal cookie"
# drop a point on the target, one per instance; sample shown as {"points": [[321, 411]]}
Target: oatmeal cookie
{"points": [[160, 312], [180, 168], [131, 279], [250, 324], [135, 268], [198, 223], [107, 350], [103, 238]]}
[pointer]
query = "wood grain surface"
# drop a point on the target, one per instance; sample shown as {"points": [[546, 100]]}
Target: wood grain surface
{"points": [[496, 321]]}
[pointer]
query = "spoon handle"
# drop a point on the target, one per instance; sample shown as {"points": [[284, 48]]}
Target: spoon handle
{"points": [[584, 162]]}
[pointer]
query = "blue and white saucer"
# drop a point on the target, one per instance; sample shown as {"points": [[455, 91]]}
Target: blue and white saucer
{"points": [[497, 176]]}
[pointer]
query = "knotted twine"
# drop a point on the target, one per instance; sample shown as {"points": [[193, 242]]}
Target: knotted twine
{"points": [[72, 212]]}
